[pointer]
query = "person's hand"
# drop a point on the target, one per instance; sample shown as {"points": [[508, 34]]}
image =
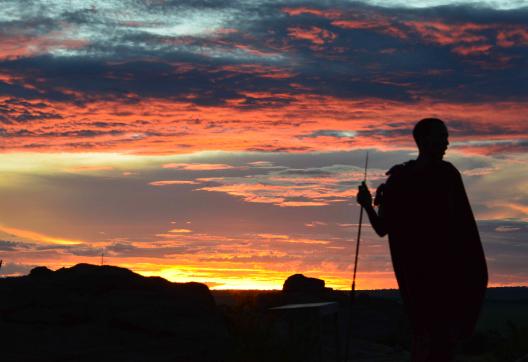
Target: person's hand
{"points": [[364, 198]]}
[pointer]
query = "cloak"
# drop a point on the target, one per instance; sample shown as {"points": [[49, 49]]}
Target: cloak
{"points": [[435, 247]]}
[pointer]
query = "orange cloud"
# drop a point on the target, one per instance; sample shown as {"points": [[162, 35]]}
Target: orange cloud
{"points": [[37, 237], [89, 169], [179, 231], [273, 236], [169, 127]]}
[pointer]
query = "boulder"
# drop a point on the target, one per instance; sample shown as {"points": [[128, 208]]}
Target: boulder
{"points": [[298, 283], [301, 289]]}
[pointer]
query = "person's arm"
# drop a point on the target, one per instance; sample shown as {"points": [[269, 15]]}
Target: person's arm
{"points": [[364, 198]]}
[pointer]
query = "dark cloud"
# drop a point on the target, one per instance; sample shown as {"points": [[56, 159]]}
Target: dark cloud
{"points": [[515, 229], [495, 146], [279, 149], [306, 172], [13, 269], [329, 133], [12, 245], [76, 134], [464, 128], [365, 59], [506, 249]]}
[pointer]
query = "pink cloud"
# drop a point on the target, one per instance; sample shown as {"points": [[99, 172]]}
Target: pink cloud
{"points": [[16, 46], [172, 182], [448, 34], [313, 34], [302, 203], [513, 36], [377, 23], [198, 166], [472, 49], [327, 13]]}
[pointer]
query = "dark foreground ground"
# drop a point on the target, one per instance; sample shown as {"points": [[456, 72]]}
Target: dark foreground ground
{"points": [[379, 331], [94, 313]]}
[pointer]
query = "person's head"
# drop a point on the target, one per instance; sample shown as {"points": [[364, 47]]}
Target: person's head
{"points": [[431, 137]]}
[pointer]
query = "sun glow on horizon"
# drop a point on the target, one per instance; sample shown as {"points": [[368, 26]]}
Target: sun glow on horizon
{"points": [[225, 278]]}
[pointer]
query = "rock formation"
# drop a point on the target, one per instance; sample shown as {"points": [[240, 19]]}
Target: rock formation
{"points": [[106, 313]]}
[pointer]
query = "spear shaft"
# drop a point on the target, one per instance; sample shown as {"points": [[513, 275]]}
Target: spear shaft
{"points": [[353, 289]]}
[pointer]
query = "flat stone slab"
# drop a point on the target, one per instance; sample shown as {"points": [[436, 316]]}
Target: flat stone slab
{"points": [[324, 308]]}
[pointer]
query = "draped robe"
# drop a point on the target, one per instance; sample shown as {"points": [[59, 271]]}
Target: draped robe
{"points": [[435, 247]]}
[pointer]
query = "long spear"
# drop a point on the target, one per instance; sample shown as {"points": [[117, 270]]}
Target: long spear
{"points": [[353, 289]]}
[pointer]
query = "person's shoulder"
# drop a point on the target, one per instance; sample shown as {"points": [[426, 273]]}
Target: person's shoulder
{"points": [[449, 168], [397, 174], [400, 169]]}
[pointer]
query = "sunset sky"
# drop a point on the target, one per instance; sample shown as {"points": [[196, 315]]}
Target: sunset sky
{"points": [[223, 141]]}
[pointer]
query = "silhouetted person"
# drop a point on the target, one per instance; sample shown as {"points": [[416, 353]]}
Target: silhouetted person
{"points": [[434, 242]]}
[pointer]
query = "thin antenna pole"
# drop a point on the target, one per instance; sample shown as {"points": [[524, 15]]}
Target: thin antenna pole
{"points": [[102, 257], [353, 289]]}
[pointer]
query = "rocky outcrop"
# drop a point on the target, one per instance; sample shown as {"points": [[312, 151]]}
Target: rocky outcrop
{"points": [[301, 289], [298, 283], [88, 313]]}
